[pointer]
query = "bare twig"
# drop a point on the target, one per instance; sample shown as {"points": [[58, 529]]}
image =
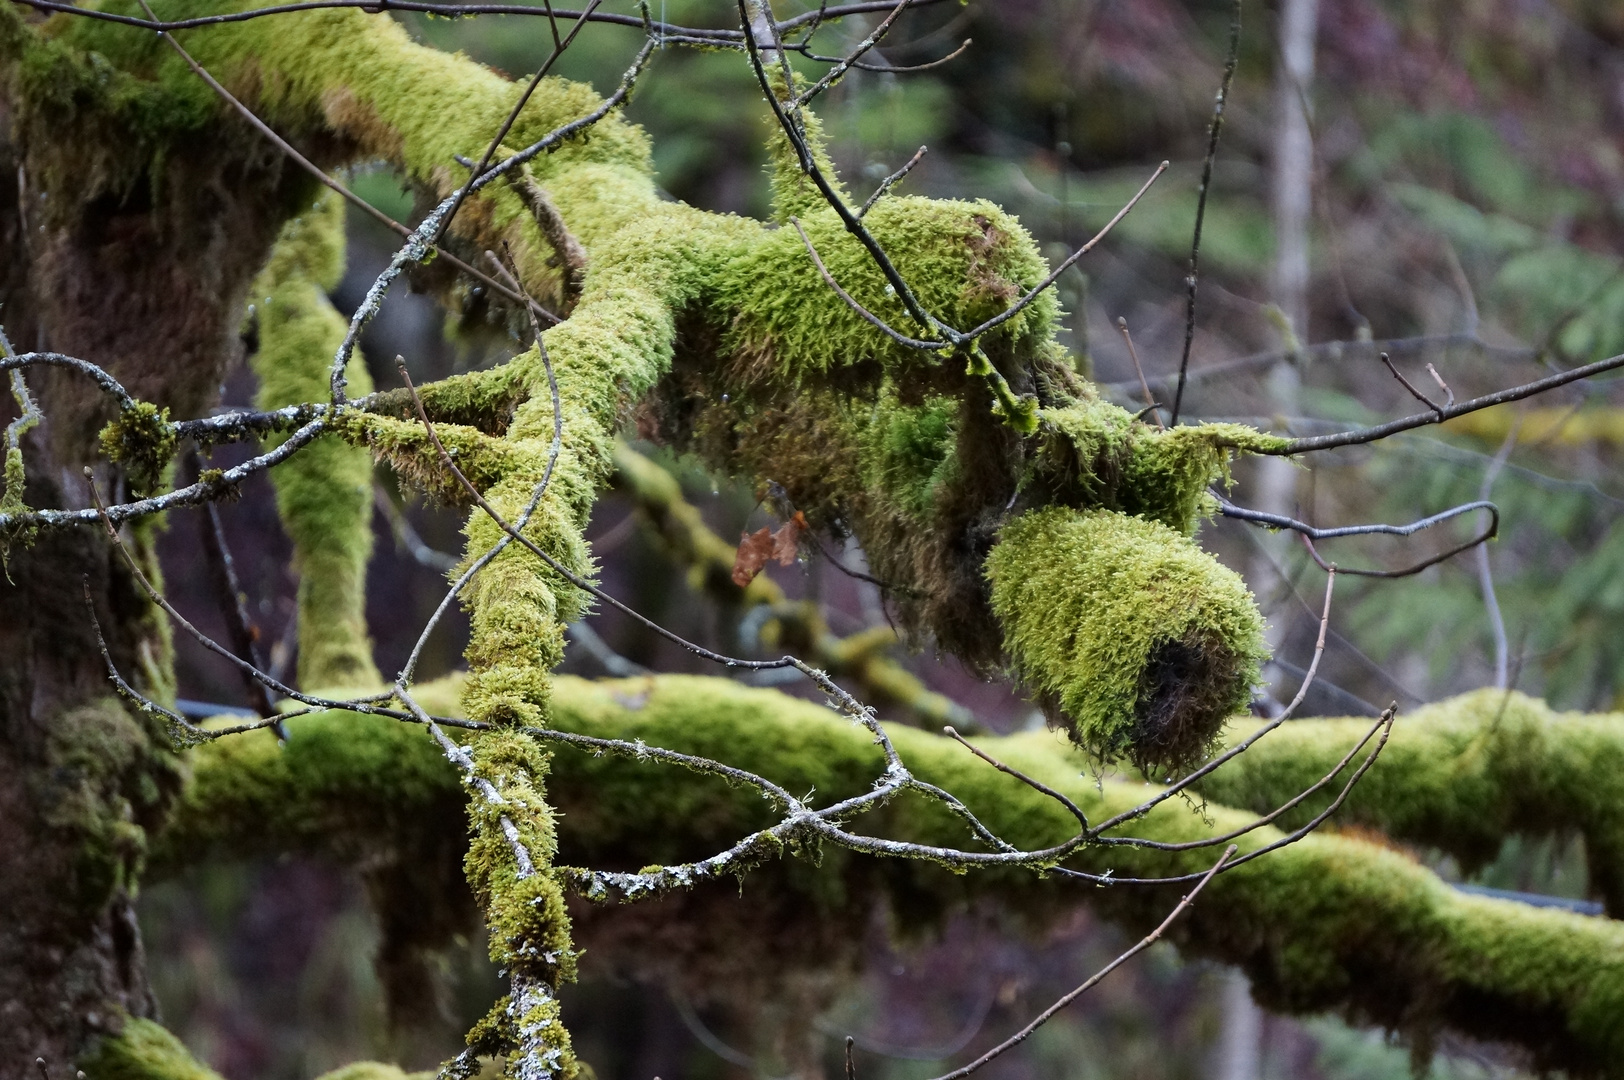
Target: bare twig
{"points": [[1054, 276], [867, 315], [829, 78], [1485, 573], [891, 181], [518, 107], [1133, 354], [229, 592], [1415, 393], [1393, 427], [1093, 980], [1311, 534], [1194, 277]]}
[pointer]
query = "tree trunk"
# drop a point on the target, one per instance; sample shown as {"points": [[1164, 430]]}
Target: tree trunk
{"points": [[150, 288]]}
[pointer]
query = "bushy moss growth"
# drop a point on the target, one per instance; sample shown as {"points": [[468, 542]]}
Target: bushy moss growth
{"points": [[141, 440], [324, 493], [1139, 643], [1459, 775], [143, 1051]]}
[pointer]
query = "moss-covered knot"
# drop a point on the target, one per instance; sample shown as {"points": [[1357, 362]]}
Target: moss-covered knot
{"points": [[1137, 641], [143, 441]]}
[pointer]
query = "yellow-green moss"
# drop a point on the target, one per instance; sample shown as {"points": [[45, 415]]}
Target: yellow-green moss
{"points": [[1094, 454], [1143, 643], [1329, 922], [142, 440], [1459, 775], [143, 1051], [374, 1070], [324, 493]]}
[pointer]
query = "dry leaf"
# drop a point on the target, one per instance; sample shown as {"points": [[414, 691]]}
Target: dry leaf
{"points": [[787, 539], [754, 551]]}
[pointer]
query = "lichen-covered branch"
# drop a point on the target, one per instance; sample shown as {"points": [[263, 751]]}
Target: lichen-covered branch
{"points": [[1329, 922], [1461, 776]]}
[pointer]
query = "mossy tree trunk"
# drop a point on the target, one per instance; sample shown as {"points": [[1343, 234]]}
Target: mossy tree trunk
{"points": [[143, 272]]}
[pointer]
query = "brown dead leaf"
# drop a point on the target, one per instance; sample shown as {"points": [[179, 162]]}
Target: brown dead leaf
{"points": [[763, 544], [787, 539], [754, 551]]}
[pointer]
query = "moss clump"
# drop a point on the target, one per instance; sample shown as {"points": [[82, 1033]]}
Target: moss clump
{"points": [[1141, 644], [324, 493], [142, 440], [143, 1051], [1093, 454], [11, 502]]}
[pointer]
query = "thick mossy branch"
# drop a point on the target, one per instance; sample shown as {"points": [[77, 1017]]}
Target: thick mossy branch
{"points": [[1137, 641], [1462, 775], [324, 493], [1329, 922]]}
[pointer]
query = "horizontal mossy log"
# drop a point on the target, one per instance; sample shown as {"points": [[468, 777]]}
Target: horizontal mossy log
{"points": [[1329, 922], [1460, 775]]}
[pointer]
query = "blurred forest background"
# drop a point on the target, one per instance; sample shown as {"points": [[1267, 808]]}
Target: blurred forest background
{"points": [[1460, 203]]}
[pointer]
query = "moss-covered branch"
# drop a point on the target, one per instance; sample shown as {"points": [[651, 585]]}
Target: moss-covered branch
{"points": [[1329, 922], [324, 494], [1461, 775]]}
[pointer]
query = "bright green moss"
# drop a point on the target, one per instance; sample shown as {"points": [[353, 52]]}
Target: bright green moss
{"points": [[1094, 454], [1144, 643], [966, 261], [143, 1051], [792, 190], [324, 493], [1459, 775]]}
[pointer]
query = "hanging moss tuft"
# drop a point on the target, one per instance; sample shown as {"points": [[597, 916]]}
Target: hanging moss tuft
{"points": [[1137, 642], [141, 440]]}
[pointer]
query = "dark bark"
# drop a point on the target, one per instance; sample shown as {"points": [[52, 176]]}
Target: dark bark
{"points": [[148, 280]]}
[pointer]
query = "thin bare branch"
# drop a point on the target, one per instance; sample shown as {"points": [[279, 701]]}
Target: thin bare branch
{"points": [[1213, 132], [891, 181], [1133, 354], [1393, 427], [1093, 980]]}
